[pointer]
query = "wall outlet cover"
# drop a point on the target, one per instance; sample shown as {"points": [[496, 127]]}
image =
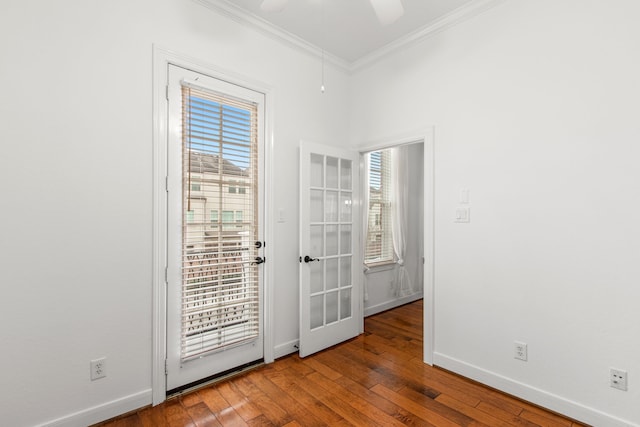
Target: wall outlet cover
{"points": [[618, 379], [98, 368], [520, 350]]}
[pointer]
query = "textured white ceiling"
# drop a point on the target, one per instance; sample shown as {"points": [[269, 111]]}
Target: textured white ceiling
{"points": [[349, 29]]}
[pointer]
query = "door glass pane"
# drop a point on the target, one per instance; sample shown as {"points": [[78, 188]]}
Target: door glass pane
{"points": [[345, 303], [345, 239], [316, 311], [316, 276], [332, 307], [332, 273], [345, 207], [345, 174], [345, 271], [331, 215], [317, 170], [219, 295], [332, 172], [316, 241], [317, 205], [332, 240]]}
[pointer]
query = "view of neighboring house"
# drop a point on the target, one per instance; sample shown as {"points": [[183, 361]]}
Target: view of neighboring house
{"points": [[221, 205], [217, 237]]}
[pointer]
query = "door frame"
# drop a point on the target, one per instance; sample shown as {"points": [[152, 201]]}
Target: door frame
{"points": [[161, 60], [426, 137]]}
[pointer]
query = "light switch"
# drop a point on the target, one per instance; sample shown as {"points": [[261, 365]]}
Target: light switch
{"points": [[464, 196], [462, 214]]}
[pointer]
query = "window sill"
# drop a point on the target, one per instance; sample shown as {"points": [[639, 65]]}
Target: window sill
{"points": [[380, 266]]}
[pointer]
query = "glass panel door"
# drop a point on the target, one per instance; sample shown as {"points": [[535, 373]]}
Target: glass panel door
{"points": [[329, 313], [214, 285]]}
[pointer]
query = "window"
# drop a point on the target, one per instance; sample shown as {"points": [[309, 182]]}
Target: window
{"points": [[379, 247], [236, 187], [219, 302], [194, 182], [227, 216], [238, 216]]}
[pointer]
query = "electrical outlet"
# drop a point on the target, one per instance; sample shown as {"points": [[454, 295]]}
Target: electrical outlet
{"points": [[618, 379], [520, 350], [98, 368]]}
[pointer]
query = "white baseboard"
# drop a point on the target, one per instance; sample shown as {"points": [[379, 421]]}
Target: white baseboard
{"points": [[531, 394], [103, 412], [388, 305], [282, 350]]}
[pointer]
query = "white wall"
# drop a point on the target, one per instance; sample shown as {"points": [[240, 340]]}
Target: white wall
{"points": [[380, 294], [535, 108], [76, 186]]}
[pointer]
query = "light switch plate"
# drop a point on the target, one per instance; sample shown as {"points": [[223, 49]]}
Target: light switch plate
{"points": [[463, 214], [464, 196]]}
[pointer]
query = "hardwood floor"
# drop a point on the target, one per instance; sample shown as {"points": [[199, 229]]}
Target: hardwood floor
{"points": [[376, 379]]}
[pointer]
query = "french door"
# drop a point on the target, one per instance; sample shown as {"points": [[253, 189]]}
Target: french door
{"points": [[214, 233], [330, 296]]}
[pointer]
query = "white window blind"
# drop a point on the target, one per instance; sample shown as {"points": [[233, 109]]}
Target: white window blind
{"points": [[220, 295], [379, 248]]}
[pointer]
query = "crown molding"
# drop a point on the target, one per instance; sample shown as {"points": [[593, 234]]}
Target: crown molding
{"points": [[229, 9], [242, 16], [449, 20]]}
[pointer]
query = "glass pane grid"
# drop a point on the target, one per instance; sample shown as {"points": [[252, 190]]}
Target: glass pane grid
{"points": [[331, 220]]}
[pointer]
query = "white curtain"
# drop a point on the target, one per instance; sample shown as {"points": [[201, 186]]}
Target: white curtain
{"points": [[401, 284], [365, 222]]}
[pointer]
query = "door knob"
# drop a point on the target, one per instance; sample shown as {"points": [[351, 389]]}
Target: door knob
{"points": [[259, 260], [307, 258]]}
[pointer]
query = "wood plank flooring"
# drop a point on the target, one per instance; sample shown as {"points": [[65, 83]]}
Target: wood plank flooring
{"points": [[376, 379]]}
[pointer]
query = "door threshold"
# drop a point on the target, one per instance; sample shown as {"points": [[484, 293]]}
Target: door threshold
{"points": [[213, 379]]}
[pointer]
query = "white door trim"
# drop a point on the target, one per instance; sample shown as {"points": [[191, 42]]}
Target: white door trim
{"points": [[429, 247], [426, 136], [161, 59]]}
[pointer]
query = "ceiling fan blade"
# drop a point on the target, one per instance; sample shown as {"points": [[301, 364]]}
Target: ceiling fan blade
{"points": [[388, 11], [273, 5]]}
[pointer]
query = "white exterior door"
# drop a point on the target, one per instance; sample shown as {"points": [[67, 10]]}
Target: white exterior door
{"points": [[330, 296], [214, 231]]}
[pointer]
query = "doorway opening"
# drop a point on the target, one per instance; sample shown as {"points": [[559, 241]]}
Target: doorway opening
{"points": [[394, 230], [385, 285]]}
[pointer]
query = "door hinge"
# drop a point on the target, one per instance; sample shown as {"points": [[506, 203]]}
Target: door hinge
{"points": [[166, 92], [166, 184], [166, 275], [166, 369]]}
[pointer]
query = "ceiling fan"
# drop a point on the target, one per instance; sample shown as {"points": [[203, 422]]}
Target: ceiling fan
{"points": [[387, 11]]}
